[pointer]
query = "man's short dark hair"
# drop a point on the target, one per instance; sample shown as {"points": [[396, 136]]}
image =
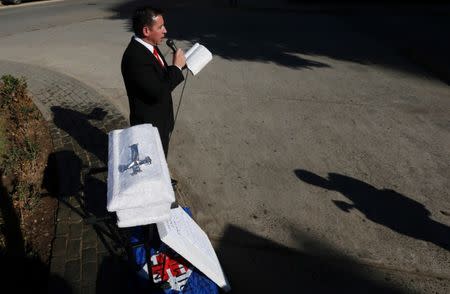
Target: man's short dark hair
{"points": [[144, 16]]}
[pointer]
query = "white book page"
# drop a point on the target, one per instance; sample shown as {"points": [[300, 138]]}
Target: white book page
{"points": [[184, 236], [197, 58], [190, 51]]}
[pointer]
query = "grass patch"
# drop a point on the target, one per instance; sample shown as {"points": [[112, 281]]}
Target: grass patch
{"points": [[25, 145]]}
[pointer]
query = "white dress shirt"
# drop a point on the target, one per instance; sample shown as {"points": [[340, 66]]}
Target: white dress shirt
{"points": [[150, 47]]}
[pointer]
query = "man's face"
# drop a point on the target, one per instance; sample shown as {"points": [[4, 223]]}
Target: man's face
{"points": [[155, 33]]}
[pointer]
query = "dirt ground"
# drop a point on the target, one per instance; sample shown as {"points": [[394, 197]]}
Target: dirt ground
{"points": [[27, 211], [39, 227]]}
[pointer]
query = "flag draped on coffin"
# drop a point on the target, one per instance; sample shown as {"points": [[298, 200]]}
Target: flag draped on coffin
{"points": [[161, 270], [139, 186]]}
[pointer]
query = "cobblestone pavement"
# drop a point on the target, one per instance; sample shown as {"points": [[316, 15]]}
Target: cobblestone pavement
{"points": [[87, 252]]}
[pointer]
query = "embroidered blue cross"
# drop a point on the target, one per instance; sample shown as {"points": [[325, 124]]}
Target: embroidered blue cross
{"points": [[135, 163]]}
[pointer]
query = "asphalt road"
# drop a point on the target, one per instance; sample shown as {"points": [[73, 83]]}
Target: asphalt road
{"points": [[310, 141]]}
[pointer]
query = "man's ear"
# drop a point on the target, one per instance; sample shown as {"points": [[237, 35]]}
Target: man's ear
{"points": [[145, 31]]}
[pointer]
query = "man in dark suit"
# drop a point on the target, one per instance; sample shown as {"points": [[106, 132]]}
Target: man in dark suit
{"points": [[149, 80]]}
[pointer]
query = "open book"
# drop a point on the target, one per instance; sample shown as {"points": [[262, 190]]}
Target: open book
{"points": [[197, 58]]}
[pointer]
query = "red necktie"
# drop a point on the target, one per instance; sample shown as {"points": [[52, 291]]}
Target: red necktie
{"points": [[155, 52]]}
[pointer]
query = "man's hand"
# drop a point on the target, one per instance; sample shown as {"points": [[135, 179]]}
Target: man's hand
{"points": [[179, 59]]}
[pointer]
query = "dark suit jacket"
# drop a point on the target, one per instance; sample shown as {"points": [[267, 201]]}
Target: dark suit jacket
{"points": [[149, 88]]}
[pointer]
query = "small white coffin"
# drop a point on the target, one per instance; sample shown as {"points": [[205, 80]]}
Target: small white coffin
{"points": [[183, 235], [139, 186], [142, 215]]}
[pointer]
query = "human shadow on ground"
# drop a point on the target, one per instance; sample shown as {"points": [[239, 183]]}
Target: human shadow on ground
{"points": [[14, 243], [113, 276], [116, 276], [21, 272], [27, 274], [294, 38], [254, 264], [84, 193], [62, 175], [383, 206], [74, 175], [81, 177], [77, 125], [78, 179]]}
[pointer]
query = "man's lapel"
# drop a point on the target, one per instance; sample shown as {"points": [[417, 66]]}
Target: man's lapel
{"points": [[149, 55]]}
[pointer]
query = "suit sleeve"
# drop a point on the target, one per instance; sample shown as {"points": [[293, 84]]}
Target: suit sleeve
{"points": [[152, 84]]}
